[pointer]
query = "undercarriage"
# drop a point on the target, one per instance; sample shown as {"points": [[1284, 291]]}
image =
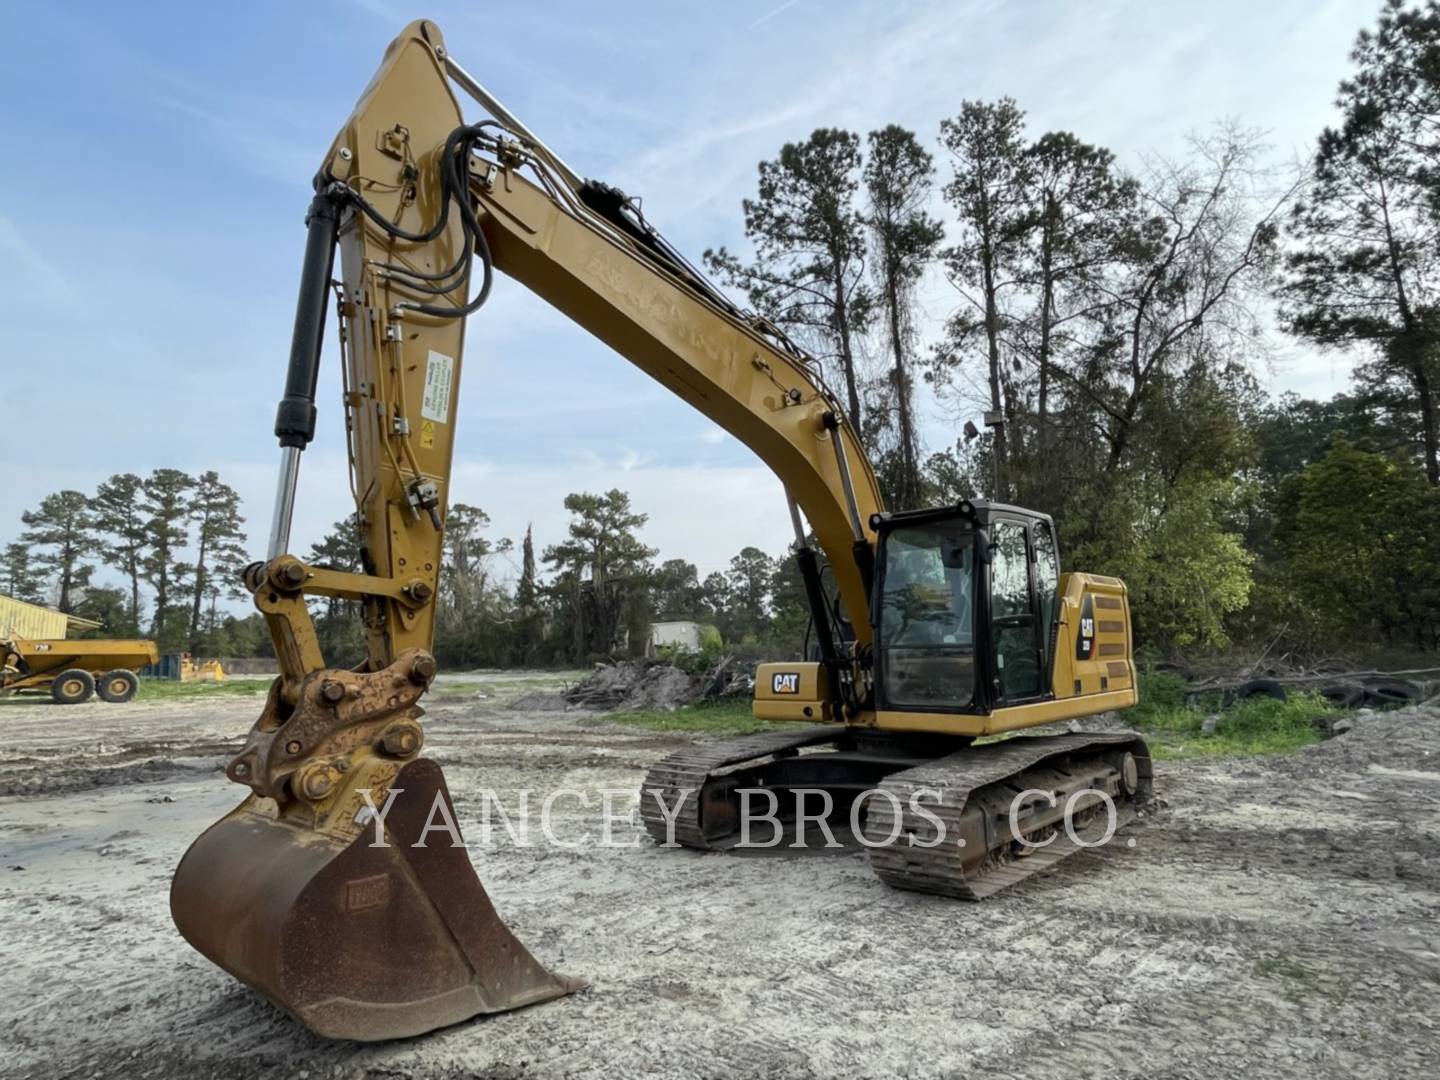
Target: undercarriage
{"points": [[936, 814]]}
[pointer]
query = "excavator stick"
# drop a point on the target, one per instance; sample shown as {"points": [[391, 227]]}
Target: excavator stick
{"points": [[352, 903]]}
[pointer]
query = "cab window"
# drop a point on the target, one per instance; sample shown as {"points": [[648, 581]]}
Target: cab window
{"points": [[1012, 616], [926, 639]]}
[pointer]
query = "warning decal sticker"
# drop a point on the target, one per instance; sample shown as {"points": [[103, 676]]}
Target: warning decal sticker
{"points": [[439, 372]]}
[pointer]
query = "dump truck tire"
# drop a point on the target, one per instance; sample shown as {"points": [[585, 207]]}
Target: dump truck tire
{"points": [[117, 686], [72, 687]]}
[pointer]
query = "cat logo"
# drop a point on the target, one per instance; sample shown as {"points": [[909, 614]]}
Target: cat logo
{"points": [[786, 682], [1085, 639]]}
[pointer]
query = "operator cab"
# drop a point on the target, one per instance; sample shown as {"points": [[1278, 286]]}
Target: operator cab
{"points": [[967, 598]]}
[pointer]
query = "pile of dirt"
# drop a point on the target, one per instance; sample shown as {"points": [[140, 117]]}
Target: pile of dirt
{"points": [[659, 684]]}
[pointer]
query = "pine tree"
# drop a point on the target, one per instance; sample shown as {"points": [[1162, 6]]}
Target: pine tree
{"points": [[526, 592], [604, 564], [214, 507], [751, 577], [1364, 270], [20, 579], [165, 509], [120, 528], [903, 239], [61, 541], [808, 275], [986, 146]]}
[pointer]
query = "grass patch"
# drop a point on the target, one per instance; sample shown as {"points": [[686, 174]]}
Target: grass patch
{"points": [[168, 690], [1254, 726], [728, 717]]}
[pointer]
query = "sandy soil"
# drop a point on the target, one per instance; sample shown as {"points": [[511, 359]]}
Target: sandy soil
{"points": [[1276, 918]]}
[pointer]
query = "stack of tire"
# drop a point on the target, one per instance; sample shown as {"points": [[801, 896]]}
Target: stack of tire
{"points": [[76, 685], [1371, 692]]}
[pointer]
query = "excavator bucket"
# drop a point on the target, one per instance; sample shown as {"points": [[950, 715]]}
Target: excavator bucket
{"points": [[374, 930]]}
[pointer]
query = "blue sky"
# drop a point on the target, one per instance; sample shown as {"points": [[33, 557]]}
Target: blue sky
{"points": [[157, 164]]}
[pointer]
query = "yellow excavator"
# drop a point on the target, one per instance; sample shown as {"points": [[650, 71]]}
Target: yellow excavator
{"points": [[932, 629]]}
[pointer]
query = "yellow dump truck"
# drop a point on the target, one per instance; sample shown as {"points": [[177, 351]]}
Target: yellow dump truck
{"points": [[35, 655], [73, 670]]}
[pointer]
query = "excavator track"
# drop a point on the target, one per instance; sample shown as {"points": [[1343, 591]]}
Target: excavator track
{"points": [[972, 793], [973, 852], [701, 821]]}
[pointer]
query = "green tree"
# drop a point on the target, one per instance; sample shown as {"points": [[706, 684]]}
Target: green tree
{"points": [[1373, 571], [1186, 572], [716, 591], [61, 539], [676, 592], [1072, 218], [165, 508], [790, 606], [214, 507], [903, 240], [338, 625], [527, 590], [1363, 267], [18, 574], [475, 616], [529, 615], [120, 527], [751, 577], [987, 192], [808, 277], [106, 606], [603, 567]]}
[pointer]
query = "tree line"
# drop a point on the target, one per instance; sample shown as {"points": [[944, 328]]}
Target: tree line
{"points": [[591, 595], [176, 540], [1110, 322]]}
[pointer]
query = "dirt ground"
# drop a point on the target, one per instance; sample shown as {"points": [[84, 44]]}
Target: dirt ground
{"points": [[1275, 918]]}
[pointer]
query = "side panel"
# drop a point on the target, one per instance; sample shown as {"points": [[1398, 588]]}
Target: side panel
{"points": [[796, 691], [1093, 653], [93, 654]]}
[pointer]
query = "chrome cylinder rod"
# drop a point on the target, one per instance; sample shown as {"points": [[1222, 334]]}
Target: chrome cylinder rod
{"points": [[842, 463], [492, 104], [284, 502], [795, 521]]}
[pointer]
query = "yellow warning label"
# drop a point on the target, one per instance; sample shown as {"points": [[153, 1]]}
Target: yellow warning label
{"points": [[427, 433]]}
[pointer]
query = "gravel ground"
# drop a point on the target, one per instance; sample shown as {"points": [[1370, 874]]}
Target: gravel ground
{"points": [[1274, 918]]}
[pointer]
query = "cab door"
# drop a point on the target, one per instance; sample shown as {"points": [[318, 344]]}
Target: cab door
{"points": [[1018, 643]]}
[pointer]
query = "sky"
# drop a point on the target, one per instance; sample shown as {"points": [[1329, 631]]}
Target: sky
{"points": [[157, 160]]}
